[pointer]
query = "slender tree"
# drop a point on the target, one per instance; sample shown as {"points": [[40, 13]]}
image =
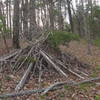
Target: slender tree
{"points": [[32, 19], [70, 15], [25, 17], [60, 17], [51, 13], [16, 25]]}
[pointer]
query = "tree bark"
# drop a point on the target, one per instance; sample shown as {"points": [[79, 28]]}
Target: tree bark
{"points": [[70, 15], [32, 19], [16, 44]]}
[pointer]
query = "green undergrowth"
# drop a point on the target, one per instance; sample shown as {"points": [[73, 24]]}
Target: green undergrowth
{"points": [[57, 38]]}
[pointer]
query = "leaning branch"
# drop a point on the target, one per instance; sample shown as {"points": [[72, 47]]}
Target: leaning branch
{"points": [[52, 63]]}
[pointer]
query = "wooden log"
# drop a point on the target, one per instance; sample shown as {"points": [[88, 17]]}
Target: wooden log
{"points": [[24, 78], [55, 87]]}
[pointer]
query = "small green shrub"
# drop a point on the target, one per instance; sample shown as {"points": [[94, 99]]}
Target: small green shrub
{"points": [[57, 38]]}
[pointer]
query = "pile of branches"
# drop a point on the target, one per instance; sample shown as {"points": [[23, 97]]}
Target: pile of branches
{"points": [[37, 60]]}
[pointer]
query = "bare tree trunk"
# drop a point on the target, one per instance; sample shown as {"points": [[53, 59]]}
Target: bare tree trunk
{"points": [[7, 13], [25, 17], [89, 30], [51, 14], [32, 19], [70, 15], [4, 26], [60, 17], [16, 44], [10, 17]]}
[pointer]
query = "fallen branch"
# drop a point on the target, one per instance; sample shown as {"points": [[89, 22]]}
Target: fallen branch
{"points": [[52, 63], [8, 56], [55, 87], [74, 73], [61, 63], [25, 58], [24, 78]]}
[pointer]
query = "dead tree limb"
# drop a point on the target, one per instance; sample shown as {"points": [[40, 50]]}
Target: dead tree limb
{"points": [[55, 87], [25, 58], [8, 56], [24, 78], [52, 63], [61, 63], [74, 73]]}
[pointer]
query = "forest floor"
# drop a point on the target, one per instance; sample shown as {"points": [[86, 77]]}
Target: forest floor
{"points": [[8, 79]]}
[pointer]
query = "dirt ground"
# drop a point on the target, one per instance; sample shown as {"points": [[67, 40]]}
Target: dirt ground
{"points": [[9, 79]]}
